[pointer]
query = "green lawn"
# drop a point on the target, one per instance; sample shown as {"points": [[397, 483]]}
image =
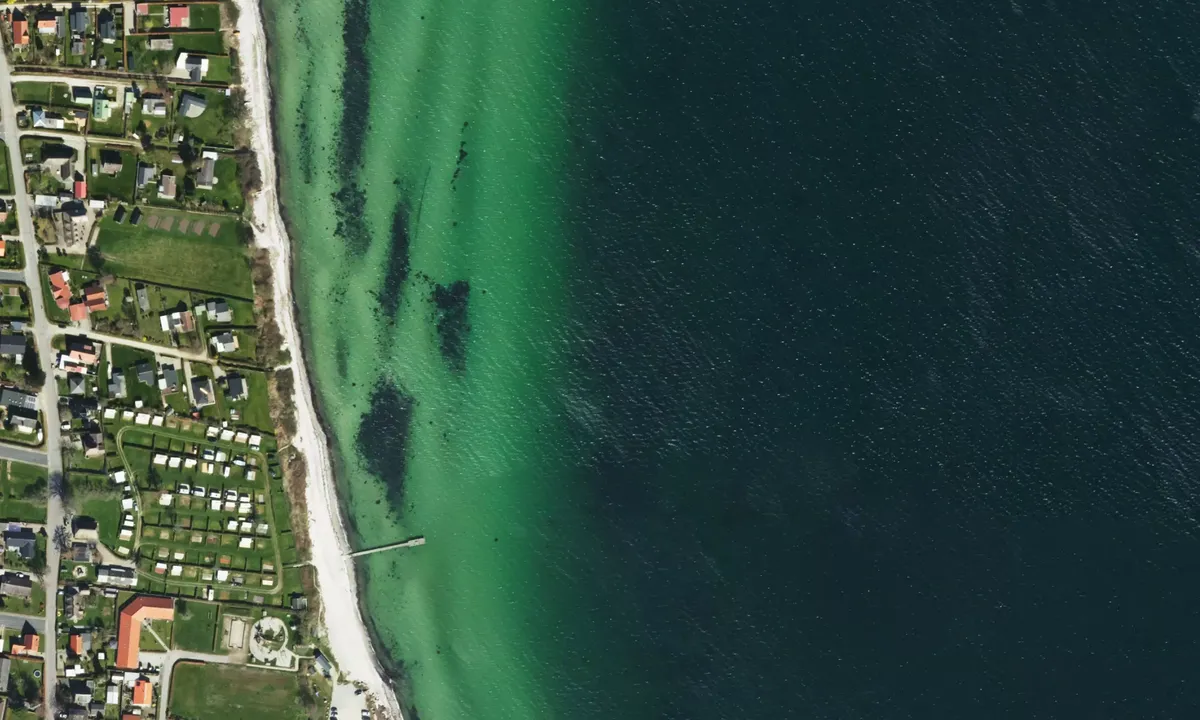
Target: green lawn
{"points": [[23, 688], [205, 17], [23, 492], [196, 625], [6, 181], [14, 251], [35, 148], [255, 409], [200, 262], [126, 359], [221, 692], [216, 124], [106, 509], [113, 187], [226, 193], [43, 93], [13, 306]]}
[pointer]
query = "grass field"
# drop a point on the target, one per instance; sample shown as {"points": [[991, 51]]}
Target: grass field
{"points": [[24, 492], [42, 93], [219, 692], [6, 182], [227, 192], [200, 262], [115, 187], [13, 306], [196, 625]]}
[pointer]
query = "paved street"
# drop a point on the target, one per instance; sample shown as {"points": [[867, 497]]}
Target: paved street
{"points": [[32, 456], [158, 349], [17, 622], [43, 332]]}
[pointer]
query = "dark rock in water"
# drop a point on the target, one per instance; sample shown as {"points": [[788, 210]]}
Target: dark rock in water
{"points": [[382, 438], [451, 302], [398, 264]]}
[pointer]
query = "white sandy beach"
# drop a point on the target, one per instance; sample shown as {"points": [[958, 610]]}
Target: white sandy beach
{"points": [[345, 631]]}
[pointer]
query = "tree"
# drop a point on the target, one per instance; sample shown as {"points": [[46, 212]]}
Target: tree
{"points": [[94, 257]]}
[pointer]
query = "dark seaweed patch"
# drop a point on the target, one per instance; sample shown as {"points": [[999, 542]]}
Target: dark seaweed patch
{"points": [[356, 83], [382, 438], [348, 205], [452, 328], [397, 267]]}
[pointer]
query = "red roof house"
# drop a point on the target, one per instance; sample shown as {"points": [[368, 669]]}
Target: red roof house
{"points": [[141, 9], [78, 311], [20, 30], [143, 693], [81, 189], [178, 16], [129, 628], [95, 298], [75, 643], [60, 288]]}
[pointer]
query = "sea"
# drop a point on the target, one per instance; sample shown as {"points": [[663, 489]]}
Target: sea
{"points": [[759, 359]]}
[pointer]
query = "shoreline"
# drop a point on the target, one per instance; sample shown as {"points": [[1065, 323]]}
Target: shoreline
{"points": [[347, 633]]}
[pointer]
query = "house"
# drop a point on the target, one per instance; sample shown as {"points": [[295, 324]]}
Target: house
{"points": [[81, 95], [116, 386], [60, 288], [15, 399], [16, 585], [78, 17], [76, 384], [322, 663], [106, 26], [161, 43], [82, 350], [143, 693], [225, 342], [202, 391], [192, 66], [78, 311], [170, 378], [206, 176], [236, 387], [116, 575], [143, 298], [81, 552], [77, 46], [154, 106], [47, 24], [119, 215], [95, 297], [47, 120], [166, 186], [110, 162], [178, 16], [20, 30], [12, 345], [3, 213], [145, 373], [216, 311], [93, 444], [26, 645], [145, 175], [80, 190], [22, 421], [177, 321], [85, 528], [22, 541], [129, 628], [101, 108], [192, 105]]}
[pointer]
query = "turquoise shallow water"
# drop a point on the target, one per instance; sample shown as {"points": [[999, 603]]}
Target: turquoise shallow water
{"points": [[747, 360]]}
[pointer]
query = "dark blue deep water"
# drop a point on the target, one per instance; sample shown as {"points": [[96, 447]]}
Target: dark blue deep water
{"points": [[894, 310]]}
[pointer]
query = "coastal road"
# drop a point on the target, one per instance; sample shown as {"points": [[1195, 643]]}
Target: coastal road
{"points": [[164, 678], [22, 454], [43, 332]]}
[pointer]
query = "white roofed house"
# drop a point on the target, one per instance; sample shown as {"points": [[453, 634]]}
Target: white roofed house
{"points": [[216, 311], [166, 186], [225, 342], [206, 176], [154, 106], [192, 105], [192, 66]]}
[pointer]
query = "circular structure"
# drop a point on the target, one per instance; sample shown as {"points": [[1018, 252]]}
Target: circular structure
{"points": [[37, 674], [268, 643], [80, 571]]}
